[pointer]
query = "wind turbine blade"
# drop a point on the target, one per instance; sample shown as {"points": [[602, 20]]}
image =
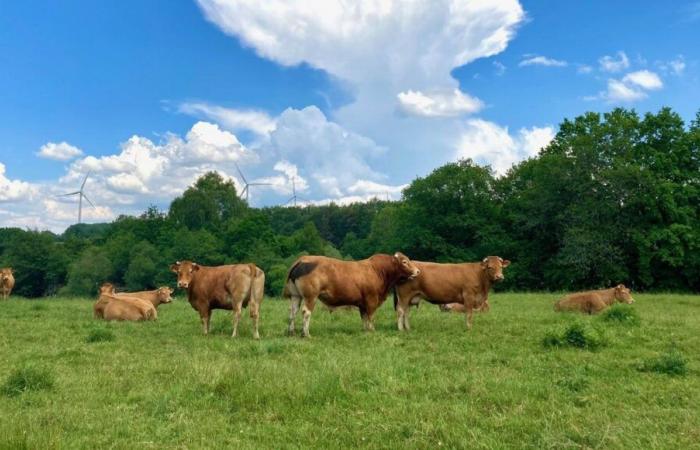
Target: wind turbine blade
{"points": [[84, 181], [260, 184], [241, 173], [245, 189], [88, 200], [66, 195]]}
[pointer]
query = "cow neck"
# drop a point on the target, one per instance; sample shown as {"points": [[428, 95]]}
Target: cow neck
{"points": [[486, 282], [387, 275], [610, 298], [193, 283]]}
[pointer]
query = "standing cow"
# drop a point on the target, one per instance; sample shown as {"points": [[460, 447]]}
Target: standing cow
{"points": [[230, 287], [7, 282], [593, 302], [362, 284], [465, 283]]}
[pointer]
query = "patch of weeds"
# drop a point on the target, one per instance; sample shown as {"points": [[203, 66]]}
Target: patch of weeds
{"points": [[574, 383], [624, 314], [39, 306], [27, 379], [670, 363], [576, 335], [99, 335]]}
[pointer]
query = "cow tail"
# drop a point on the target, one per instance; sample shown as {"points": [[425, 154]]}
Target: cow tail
{"points": [[396, 298], [285, 290], [251, 290]]}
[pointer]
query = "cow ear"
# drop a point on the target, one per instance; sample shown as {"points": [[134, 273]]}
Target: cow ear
{"points": [[175, 267], [195, 267], [484, 262], [620, 286], [505, 263]]}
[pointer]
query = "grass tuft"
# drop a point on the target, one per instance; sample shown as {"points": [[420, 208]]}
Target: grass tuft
{"points": [[99, 335], [27, 379], [624, 314], [576, 335], [670, 363]]}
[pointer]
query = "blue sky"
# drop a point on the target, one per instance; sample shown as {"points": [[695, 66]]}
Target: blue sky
{"points": [[352, 104]]}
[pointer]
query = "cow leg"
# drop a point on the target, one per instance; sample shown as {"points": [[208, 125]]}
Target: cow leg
{"points": [[406, 323], [306, 310], [254, 315], [371, 308], [204, 315], [402, 308], [468, 313], [236, 315], [294, 305]]}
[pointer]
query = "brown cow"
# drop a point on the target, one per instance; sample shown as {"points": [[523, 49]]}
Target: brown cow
{"points": [[7, 282], [465, 283], [126, 308], [106, 292], [230, 287], [362, 284], [593, 302], [156, 297]]}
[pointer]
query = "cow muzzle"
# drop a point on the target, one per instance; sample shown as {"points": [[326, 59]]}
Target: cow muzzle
{"points": [[183, 284]]}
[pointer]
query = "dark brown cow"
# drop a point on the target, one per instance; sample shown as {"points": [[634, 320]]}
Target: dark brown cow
{"points": [[593, 302], [156, 298], [7, 282], [362, 284], [231, 287], [465, 283]]}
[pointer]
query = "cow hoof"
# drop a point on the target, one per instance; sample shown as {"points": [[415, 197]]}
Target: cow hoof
{"points": [[256, 336]]}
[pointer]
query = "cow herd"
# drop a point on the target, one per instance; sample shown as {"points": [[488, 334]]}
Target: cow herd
{"points": [[361, 285]]}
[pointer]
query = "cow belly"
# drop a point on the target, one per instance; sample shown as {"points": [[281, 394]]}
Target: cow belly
{"points": [[442, 296]]}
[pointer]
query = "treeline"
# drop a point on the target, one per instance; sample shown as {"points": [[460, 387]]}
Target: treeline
{"points": [[613, 198]]}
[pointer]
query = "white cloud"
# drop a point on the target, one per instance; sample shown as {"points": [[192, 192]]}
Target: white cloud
{"points": [[12, 190], [61, 151], [438, 103], [612, 64], [232, 119], [644, 79], [584, 68], [499, 68], [487, 142], [676, 66], [619, 91], [542, 61], [368, 187]]}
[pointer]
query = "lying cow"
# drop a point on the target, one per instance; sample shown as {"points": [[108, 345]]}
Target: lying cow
{"points": [[127, 308], [467, 284], [156, 298], [362, 284], [7, 282], [592, 302], [230, 287]]}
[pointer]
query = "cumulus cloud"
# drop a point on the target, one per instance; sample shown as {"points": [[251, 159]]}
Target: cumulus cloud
{"points": [[644, 79], [61, 151], [439, 103], [634, 86], [584, 68], [12, 190], [537, 60], [230, 118], [489, 143], [675, 67], [614, 64]]}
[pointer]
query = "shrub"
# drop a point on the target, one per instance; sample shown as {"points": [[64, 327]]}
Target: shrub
{"points": [[576, 335], [27, 379], [671, 363], [99, 335], [624, 314]]}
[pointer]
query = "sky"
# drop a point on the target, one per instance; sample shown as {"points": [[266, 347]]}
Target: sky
{"points": [[348, 101]]}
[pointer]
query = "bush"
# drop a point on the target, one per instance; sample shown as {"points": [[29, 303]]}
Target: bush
{"points": [[99, 335], [671, 363], [27, 379], [577, 335], [624, 314]]}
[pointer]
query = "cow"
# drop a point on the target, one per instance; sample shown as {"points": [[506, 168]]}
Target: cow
{"points": [[7, 282], [156, 298], [459, 307], [362, 284], [144, 310], [466, 283], [593, 302], [126, 308], [231, 287]]}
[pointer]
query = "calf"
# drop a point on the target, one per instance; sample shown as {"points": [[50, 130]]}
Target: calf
{"points": [[230, 287], [7, 282], [361, 284], [467, 284], [593, 302]]}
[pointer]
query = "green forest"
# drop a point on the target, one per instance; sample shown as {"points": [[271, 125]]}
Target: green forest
{"points": [[615, 197]]}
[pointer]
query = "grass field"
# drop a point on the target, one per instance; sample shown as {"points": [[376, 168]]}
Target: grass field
{"points": [[68, 381]]}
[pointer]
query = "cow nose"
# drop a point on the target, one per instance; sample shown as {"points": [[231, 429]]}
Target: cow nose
{"points": [[499, 277], [182, 284]]}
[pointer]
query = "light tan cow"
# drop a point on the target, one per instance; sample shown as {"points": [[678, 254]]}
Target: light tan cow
{"points": [[231, 287], [125, 308], [156, 297], [593, 302], [7, 282]]}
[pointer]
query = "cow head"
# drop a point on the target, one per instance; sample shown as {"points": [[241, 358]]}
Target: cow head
{"points": [[406, 267], [5, 273], [493, 266], [107, 289], [165, 294], [184, 271], [623, 294]]}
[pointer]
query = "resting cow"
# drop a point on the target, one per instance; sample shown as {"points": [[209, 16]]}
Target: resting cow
{"points": [[362, 284], [156, 297], [125, 308], [230, 287], [7, 282], [593, 302], [467, 284]]}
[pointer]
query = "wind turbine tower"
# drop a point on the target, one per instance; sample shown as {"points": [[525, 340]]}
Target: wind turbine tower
{"points": [[246, 185], [81, 195]]}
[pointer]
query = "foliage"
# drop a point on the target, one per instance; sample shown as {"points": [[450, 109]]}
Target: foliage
{"points": [[576, 335], [671, 362], [625, 314], [27, 379]]}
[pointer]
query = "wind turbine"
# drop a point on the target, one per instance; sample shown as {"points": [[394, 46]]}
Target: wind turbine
{"points": [[294, 192], [246, 187], [81, 195]]}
